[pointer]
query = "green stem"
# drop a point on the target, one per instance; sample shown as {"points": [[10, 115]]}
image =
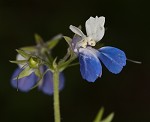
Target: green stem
{"points": [[56, 95]]}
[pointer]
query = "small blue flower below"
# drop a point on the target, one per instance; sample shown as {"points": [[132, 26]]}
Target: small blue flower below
{"points": [[25, 84]]}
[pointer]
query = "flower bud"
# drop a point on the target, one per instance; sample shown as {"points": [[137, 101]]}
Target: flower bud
{"points": [[33, 62]]}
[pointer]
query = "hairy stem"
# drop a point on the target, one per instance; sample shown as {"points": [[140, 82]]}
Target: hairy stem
{"points": [[56, 95]]}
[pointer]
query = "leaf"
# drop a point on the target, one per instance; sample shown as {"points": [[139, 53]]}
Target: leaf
{"points": [[19, 62], [24, 73], [99, 115], [53, 42], [24, 54], [108, 118]]}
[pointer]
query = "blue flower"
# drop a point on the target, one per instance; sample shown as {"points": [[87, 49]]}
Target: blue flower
{"points": [[25, 84], [90, 59]]}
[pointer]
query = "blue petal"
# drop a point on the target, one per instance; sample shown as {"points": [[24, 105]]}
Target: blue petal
{"points": [[24, 84], [90, 66], [47, 83], [113, 58]]}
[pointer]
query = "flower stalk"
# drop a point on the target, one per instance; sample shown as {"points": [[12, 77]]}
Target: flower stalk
{"points": [[56, 95]]}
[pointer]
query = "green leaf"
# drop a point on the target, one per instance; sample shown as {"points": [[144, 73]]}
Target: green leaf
{"points": [[19, 62], [53, 42], [38, 39], [99, 115], [24, 73], [108, 118], [24, 54]]}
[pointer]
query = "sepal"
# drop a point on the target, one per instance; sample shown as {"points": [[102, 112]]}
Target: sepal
{"points": [[54, 41], [38, 73], [70, 50], [38, 39], [68, 40], [40, 76], [23, 53], [24, 73], [19, 62], [29, 49]]}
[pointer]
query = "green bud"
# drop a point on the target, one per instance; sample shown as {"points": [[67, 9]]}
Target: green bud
{"points": [[33, 62]]}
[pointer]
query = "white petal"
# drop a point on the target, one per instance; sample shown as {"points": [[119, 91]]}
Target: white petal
{"points": [[19, 57], [76, 30], [95, 27]]}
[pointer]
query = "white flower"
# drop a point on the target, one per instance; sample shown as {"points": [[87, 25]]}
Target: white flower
{"points": [[94, 29]]}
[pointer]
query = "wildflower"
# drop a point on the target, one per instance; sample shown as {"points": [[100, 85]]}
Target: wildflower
{"points": [[25, 84], [32, 70], [89, 58]]}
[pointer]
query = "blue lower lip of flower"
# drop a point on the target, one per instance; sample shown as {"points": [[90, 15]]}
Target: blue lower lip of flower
{"points": [[24, 84], [113, 58], [90, 65], [27, 83]]}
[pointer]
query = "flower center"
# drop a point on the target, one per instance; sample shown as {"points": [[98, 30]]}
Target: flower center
{"points": [[84, 43], [87, 41]]}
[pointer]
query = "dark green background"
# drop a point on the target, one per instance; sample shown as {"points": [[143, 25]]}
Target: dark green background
{"points": [[128, 28]]}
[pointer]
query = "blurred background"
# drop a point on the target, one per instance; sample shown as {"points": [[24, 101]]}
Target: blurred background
{"points": [[126, 94]]}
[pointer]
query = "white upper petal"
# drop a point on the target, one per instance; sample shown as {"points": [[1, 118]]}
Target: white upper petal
{"points": [[19, 57], [76, 30], [95, 27]]}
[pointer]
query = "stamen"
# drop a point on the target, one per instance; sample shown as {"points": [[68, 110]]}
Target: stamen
{"points": [[91, 42], [84, 43], [81, 44]]}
